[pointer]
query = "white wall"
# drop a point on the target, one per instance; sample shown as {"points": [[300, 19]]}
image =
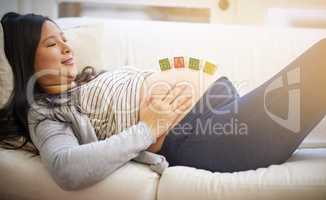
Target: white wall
{"points": [[44, 7], [8, 5], [239, 11], [256, 11]]}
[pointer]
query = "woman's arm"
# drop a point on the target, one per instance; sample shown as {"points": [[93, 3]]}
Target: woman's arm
{"points": [[74, 166]]}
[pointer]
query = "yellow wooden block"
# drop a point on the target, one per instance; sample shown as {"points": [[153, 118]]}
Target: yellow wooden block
{"points": [[210, 68]]}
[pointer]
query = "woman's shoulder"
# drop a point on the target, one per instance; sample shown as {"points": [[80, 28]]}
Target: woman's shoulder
{"points": [[39, 111], [65, 117], [52, 107]]}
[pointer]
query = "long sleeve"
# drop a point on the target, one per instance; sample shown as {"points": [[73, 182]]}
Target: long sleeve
{"points": [[156, 162], [75, 166]]}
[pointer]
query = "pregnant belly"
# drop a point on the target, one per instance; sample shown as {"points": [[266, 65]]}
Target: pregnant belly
{"points": [[160, 82]]}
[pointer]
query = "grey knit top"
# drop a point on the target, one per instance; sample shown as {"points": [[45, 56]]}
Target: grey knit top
{"points": [[91, 131]]}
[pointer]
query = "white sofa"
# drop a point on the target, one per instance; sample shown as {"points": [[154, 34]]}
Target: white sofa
{"points": [[247, 55]]}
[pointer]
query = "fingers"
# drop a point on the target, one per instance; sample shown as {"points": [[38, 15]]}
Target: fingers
{"points": [[159, 89], [182, 106], [173, 94], [158, 107]]}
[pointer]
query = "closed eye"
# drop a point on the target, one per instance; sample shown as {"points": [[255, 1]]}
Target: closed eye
{"points": [[51, 45]]}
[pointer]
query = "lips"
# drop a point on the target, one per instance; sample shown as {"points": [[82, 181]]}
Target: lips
{"points": [[69, 61]]}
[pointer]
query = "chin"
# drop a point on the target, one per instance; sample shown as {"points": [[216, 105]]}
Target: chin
{"points": [[72, 74]]}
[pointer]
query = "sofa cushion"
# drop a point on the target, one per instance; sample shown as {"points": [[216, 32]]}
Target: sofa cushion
{"points": [[247, 55], [115, 39], [87, 45], [25, 177], [303, 176]]}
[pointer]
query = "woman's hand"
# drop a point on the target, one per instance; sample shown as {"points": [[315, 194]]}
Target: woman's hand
{"points": [[161, 113]]}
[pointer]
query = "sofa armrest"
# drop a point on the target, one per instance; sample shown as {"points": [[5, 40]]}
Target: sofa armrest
{"points": [[25, 177]]}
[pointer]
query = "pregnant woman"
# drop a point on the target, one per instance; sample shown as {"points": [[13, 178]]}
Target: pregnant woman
{"points": [[87, 125]]}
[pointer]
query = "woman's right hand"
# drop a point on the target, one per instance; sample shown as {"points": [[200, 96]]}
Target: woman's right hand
{"points": [[161, 113]]}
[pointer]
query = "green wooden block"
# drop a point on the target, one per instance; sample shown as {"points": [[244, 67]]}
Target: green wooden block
{"points": [[210, 68], [165, 64], [194, 63]]}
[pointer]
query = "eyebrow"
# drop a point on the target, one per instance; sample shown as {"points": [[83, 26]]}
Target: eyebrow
{"points": [[52, 36]]}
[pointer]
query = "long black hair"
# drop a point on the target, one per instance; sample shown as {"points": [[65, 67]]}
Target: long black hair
{"points": [[22, 34]]}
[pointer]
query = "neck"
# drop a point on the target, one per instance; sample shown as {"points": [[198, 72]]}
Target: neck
{"points": [[56, 89]]}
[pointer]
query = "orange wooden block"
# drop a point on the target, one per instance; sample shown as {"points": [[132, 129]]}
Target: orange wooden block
{"points": [[179, 62]]}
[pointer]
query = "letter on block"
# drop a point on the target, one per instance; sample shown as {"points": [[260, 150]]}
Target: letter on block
{"points": [[179, 62], [210, 68], [164, 64], [194, 63]]}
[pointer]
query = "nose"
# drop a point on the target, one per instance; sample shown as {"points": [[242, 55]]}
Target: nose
{"points": [[66, 49]]}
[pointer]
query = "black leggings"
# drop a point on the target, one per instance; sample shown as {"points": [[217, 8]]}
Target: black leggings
{"points": [[228, 133]]}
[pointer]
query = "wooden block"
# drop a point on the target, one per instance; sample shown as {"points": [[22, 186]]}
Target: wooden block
{"points": [[210, 68], [165, 64], [179, 62], [194, 63]]}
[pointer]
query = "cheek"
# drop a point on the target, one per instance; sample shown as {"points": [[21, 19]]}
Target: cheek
{"points": [[47, 59]]}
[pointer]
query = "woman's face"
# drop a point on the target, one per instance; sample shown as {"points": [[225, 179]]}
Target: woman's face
{"points": [[54, 61]]}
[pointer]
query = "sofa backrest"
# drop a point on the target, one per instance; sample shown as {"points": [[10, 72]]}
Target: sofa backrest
{"points": [[247, 55]]}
